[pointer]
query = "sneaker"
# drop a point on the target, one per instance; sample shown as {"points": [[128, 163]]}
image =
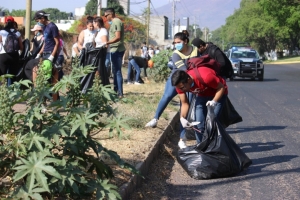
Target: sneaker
{"points": [[181, 144], [152, 123], [137, 83], [129, 83]]}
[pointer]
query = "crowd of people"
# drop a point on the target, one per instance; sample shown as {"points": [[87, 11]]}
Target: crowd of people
{"points": [[209, 87]]}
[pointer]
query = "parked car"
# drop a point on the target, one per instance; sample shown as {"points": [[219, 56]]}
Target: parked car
{"points": [[246, 62]]}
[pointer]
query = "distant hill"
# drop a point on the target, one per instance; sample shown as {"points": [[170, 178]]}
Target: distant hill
{"points": [[207, 13]]}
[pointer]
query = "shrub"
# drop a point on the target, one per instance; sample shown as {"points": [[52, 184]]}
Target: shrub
{"points": [[52, 153], [160, 72]]}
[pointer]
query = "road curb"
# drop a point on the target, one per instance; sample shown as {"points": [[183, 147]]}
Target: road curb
{"points": [[128, 188]]}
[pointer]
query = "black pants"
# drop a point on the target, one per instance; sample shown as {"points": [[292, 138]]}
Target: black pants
{"points": [[9, 63]]}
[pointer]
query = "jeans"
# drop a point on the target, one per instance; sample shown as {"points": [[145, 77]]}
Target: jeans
{"points": [[137, 69], [116, 59], [108, 63], [60, 60], [201, 112]]}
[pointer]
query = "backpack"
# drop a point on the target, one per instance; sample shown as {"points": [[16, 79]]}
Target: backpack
{"points": [[203, 61], [11, 44], [227, 70]]}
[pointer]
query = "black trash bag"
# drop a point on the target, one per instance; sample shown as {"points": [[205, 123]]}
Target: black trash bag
{"points": [[190, 133], [93, 57], [229, 115], [216, 156]]}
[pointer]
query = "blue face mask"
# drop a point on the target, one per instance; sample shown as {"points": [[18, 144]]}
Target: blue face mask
{"points": [[40, 24], [193, 84], [179, 46], [110, 22], [38, 33]]}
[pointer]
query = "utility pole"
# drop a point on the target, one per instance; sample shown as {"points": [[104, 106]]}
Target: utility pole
{"points": [[99, 8], [178, 24], [148, 22], [194, 26], [173, 29], [28, 19]]}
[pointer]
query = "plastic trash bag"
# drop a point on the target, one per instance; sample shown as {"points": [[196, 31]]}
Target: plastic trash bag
{"points": [[189, 133], [229, 115], [216, 156]]}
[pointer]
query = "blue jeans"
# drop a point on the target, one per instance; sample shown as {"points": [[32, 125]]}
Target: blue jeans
{"points": [[60, 60], [169, 94], [108, 63], [201, 112], [116, 59], [137, 69]]}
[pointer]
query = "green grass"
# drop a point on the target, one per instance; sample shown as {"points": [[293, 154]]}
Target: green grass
{"points": [[285, 59]]}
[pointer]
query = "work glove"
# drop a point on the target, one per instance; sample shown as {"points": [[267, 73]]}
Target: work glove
{"points": [[185, 123], [51, 58], [211, 103], [68, 57], [38, 56]]}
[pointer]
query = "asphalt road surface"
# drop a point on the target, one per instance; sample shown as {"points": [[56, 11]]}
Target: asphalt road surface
{"points": [[269, 135]]}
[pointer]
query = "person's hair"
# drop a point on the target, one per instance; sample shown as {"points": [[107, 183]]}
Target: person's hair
{"points": [[179, 76], [182, 36], [9, 25], [197, 42], [99, 21], [144, 43], [111, 10], [89, 19]]}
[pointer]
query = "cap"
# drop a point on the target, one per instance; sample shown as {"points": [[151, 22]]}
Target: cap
{"points": [[40, 14], [36, 28], [9, 18], [196, 42]]}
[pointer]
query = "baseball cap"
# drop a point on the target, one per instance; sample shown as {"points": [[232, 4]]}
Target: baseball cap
{"points": [[39, 14], [9, 18], [36, 28], [196, 42]]}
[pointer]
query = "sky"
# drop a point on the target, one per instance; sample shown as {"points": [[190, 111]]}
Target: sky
{"points": [[70, 5]]}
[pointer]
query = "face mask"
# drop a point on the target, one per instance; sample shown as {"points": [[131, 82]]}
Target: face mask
{"points": [[193, 84], [38, 33], [40, 24], [110, 22], [92, 31], [179, 46]]}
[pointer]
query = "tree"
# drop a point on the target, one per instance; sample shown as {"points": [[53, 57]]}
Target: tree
{"points": [[2, 9], [92, 5], [56, 14], [287, 16]]}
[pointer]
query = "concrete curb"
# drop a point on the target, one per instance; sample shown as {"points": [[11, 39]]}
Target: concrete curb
{"points": [[129, 187]]}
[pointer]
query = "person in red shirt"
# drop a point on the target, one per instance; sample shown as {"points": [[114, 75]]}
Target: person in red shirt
{"points": [[210, 88]]}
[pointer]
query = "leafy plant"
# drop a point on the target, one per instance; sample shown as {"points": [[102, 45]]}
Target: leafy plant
{"points": [[53, 153], [160, 72]]}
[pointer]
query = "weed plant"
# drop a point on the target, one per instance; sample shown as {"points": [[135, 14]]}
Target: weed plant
{"points": [[52, 154]]}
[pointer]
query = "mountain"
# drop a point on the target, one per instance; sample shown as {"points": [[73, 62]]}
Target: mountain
{"points": [[205, 13]]}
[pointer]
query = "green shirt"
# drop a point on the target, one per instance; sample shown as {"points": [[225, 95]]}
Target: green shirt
{"points": [[117, 25]]}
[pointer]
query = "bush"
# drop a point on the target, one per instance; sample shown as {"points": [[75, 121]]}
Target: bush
{"points": [[52, 153], [160, 72]]}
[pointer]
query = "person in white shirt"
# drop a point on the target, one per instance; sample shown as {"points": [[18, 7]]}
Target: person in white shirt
{"points": [[86, 35], [101, 35]]}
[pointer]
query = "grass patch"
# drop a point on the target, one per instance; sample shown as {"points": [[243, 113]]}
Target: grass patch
{"points": [[285, 59]]}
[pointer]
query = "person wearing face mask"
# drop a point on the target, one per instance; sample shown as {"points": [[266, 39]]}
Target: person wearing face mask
{"points": [[210, 88], [50, 49], [37, 39], [117, 48], [183, 52], [87, 35]]}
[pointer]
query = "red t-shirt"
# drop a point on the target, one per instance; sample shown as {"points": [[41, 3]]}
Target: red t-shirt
{"points": [[210, 78]]}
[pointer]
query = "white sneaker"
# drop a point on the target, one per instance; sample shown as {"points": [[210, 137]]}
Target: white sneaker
{"points": [[181, 144], [129, 83], [137, 83], [152, 123]]}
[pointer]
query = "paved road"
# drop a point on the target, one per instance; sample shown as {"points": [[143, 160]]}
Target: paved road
{"points": [[269, 135]]}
